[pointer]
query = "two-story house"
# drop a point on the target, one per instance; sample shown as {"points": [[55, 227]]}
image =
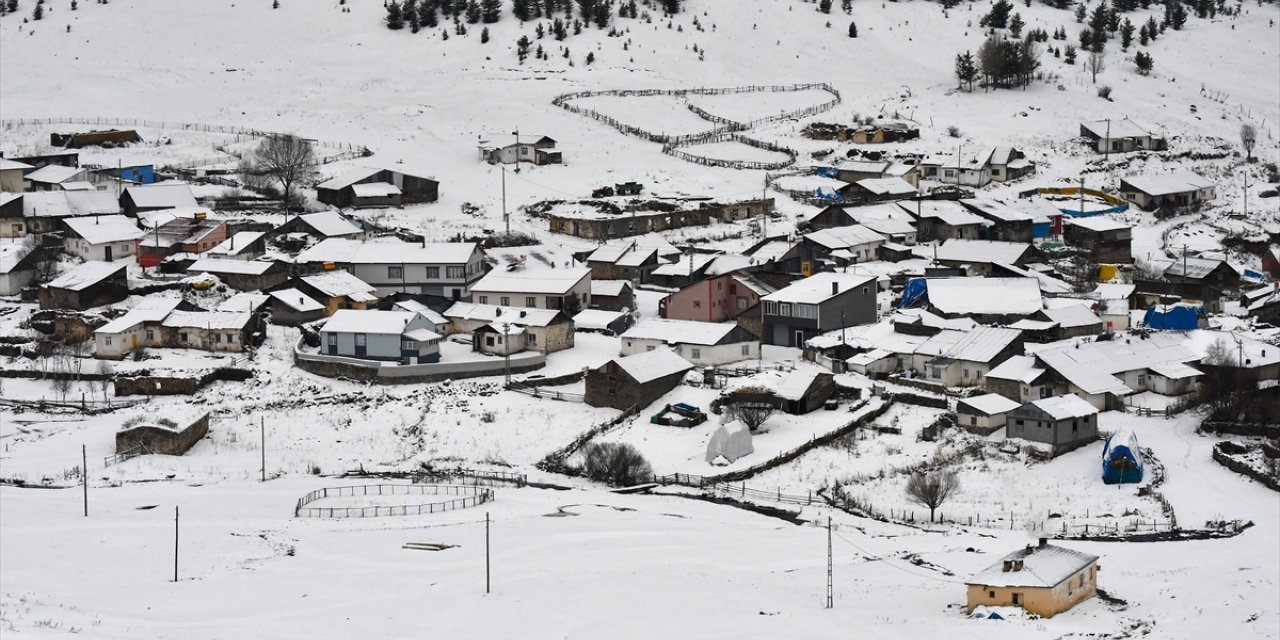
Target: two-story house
{"points": [[815, 305]]}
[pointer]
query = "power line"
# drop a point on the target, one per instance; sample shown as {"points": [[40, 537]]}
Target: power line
{"points": [[886, 562]]}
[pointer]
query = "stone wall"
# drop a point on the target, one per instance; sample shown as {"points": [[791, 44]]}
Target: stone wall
{"points": [[391, 373], [163, 440]]}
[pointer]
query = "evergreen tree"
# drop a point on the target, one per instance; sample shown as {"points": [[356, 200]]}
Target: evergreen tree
{"points": [[671, 6], [1144, 36], [490, 11], [1153, 28], [1069, 56], [522, 48], [991, 60], [1028, 60], [998, 18], [395, 16], [427, 14], [853, 29], [1126, 34], [1098, 27], [521, 10], [966, 70], [846, 6], [1113, 20], [1086, 39], [275, 4], [1080, 12], [1144, 61], [484, 35], [38, 12], [558, 28], [824, 6], [603, 11], [539, 31], [410, 12], [1015, 25], [591, 57], [447, 7], [586, 10], [1175, 14], [473, 11]]}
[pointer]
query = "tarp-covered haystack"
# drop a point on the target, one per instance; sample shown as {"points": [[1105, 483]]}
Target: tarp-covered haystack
{"points": [[1121, 460], [729, 442]]}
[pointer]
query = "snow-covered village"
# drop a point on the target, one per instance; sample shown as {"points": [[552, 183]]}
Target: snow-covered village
{"points": [[614, 319]]}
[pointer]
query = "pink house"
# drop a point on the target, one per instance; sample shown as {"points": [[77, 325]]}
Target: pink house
{"points": [[715, 299]]}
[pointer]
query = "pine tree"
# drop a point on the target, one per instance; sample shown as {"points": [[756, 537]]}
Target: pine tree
{"points": [[522, 48], [1144, 35], [558, 28], [275, 4], [410, 12], [1080, 12], [671, 6], [824, 6], [586, 9], [484, 35], [521, 10], [1098, 27], [395, 16], [853, 29], [1177, 14], [1086, 39], [1126, 34], [1144, 61], [966, 70], [1015, 25], [75, 5], [603, 11], [591, 57], [473, 11], [1028, 60], [1153, 28], [490, 11], [998, 18], [1113, 20], [846, 6], [427, 14], [539, 32], [1069, 56], [38, 12]]}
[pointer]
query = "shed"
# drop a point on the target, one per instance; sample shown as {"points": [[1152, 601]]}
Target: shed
{"points": [[1044, 579], [635, 381], [803, 391], [985, 413], [89, 285], [291, 307]]}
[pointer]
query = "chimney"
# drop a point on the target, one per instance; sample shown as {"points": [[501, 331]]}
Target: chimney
{"points": [[1007, 566], [835, 288], [1044, 542], [1017, 565]]}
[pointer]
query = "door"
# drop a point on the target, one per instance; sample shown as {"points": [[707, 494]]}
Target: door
{"points": [[106, 253], [799, 339]]}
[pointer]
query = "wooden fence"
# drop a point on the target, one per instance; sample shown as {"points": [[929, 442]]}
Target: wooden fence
{"points": [[470, 496]]}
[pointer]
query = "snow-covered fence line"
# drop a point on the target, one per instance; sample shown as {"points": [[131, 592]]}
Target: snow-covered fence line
{"points": [[170, 124], [1236, 457], [556, 461], [210, 161], [471, 496], [476, 477], [673, 148]]}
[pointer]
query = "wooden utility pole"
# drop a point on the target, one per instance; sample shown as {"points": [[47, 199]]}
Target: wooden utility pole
{"points": [[84, 477], [830, 584], [262, 431], [175, 543], [506, 219], [486, 552]]}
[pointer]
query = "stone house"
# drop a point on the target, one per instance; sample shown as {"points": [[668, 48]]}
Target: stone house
{"points": [[92, 284], [242, 275], [1062, 422], [1044, 579], [545, 330], [635, 381]]}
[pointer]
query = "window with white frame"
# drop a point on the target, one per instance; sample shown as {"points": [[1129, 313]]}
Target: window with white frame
{"points": [[455, 272], [395, 273], [808, 311], [697, 353], [784, 308], [433, 273], [771, 307], [360, 339]]}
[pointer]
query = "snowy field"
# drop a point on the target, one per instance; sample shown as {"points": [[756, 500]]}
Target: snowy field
{"points": [[733, 151]]}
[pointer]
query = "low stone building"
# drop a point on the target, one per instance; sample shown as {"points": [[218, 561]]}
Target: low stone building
{"points": [[163, 436], [1044, 579], [985, 413], [602, 221], [242, 275], [1063, 422], [92, 284], [635, 381], [546, 330]]}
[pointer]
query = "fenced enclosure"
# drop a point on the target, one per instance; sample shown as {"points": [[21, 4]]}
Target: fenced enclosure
{"points": [[474, 477], [467, 496]]}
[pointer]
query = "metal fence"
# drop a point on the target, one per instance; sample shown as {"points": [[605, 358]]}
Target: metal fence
{"points": [[470, 496]]}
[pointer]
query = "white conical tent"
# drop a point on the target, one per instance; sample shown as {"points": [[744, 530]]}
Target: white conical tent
{"points": [[731, 441]]}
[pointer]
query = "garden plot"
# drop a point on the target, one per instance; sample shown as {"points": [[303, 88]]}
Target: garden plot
{"points": [[660, 114], [732, 151], [750, 106]]}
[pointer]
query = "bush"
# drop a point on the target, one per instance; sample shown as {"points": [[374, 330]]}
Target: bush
{"points": [[953, 131], [1104, 92], [616, 463]]}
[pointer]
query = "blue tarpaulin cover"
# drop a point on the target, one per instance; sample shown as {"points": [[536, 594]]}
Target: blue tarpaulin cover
{"points": [[1174, 318], [916, 292]]}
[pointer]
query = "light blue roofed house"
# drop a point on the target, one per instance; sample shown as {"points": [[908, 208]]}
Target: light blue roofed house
{"points": [[381, 335]]}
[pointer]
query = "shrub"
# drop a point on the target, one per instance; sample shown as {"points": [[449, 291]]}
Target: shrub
{"points": [[953, 131], [616, 463], [1104, 92]]}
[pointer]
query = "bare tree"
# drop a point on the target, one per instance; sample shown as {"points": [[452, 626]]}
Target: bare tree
{"points": [[1096, 63], [617, 463], [61, 386], [751, 406], [104, 384], [932, 490], [286, 159], [1248, 138]]}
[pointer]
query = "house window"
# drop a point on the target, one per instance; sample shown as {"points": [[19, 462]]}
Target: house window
{"points": [[532, 339], [649, 348], [973, 420], [183, 337], [697, 353], [866, 290], [408, 345], [333, 339], [746, 349], [217, 337], [504, 301], [784, 308], [697, 304], [360, 339], [231, 337], [742, 303], [395, 273], [966, 374], [991, 594], [530, 302], [484, 299], [433, 273], [151, 335], [108, 341], [771, 307], [1017, 599], [628, 343], [455, 272], [806, 311]]}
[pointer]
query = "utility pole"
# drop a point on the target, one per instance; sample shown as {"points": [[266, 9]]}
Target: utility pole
{"points": [[505, 218], [175, 543], [1245, 214], [262, 430], [84, 477], [506, 351], [1082, 196], [764, 210], [830, 584], [486, 552], [1184, 263], [517, 134], [1106, 147]]}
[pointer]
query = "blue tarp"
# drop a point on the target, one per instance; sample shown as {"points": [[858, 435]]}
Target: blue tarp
{"points": [[1041, 229], [1176, 318], [826, 193], [1121, 460], [916, 292], [830, 172]]}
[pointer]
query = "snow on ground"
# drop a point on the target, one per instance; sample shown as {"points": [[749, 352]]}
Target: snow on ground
{"points": [[734, 151]]}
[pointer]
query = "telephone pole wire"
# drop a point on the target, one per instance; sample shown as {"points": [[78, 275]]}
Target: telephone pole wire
{"points": [[830, 584]]}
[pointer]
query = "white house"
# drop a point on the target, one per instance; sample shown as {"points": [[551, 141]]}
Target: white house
{"points": [[17, 267], [104, 238], [984, 413], [446, 269], [536, 289], [1181, 189], [380, 335], [702, 343], [527, 148], [56, 177]]}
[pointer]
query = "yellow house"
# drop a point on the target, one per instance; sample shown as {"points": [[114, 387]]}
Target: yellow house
{"points": [[1043, 579]]}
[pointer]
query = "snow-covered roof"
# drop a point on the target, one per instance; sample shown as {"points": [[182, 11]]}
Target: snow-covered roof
{"points": [[598, 319], [887, 186], [296, 300], [330, 224], [794, 384], [990, 404], [1093, 365], [1042, 566], [11, 254], [819, 287], [13, 165], [1013, 296], [164, 195], [770, 250], [227, 265], [1175, 370], [61, 204], [374, 190], [237, 243], [389, 251], [948, 211], [208, 319], [543, 281], [494, 313], [339, 283], [1117, 291], [627, 255], [423, 335], [609, 288], [53, 174], [924, 318], [1256, 353], [977, 251], [1048, 283], [105, 229], [844, 237], [1074, 315], [1159, 185], [685, 265], [1065, 407], [430, 314], [728, 263], [1097, 224], [368, 321], [86, 275], [680, 331], [982, 344], [1118, 128], [1189, 267], [244, 301], [651, 365], [347, 178], [149, 310], [997, 209]]}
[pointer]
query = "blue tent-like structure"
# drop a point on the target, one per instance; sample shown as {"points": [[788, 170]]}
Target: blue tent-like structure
{"points": [[915, 293], [1121, 460], [1178, 317]]}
